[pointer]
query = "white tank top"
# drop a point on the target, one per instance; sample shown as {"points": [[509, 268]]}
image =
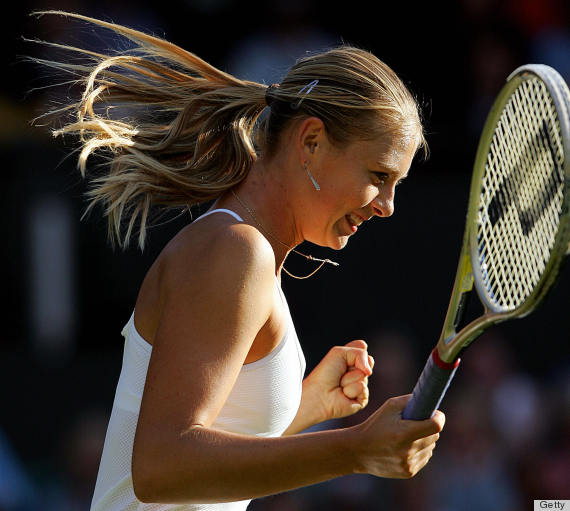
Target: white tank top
{"points": [[263, 402]]}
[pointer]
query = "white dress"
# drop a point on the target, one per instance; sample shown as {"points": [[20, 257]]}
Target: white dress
{"points": [[263, 402]]}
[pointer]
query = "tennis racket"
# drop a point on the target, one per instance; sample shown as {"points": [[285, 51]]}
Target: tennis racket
{"points": [[517, 231]]}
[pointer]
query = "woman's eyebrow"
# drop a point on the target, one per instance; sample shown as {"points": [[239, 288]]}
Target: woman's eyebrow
{"points": [[391, 170]]}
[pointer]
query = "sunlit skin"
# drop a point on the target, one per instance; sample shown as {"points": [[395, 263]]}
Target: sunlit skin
{"points": [[358, 182]]}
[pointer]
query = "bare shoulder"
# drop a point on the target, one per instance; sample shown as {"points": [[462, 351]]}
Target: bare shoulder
{"points": [[217, 266], [214, 247], [216, 281], [215, 260]]}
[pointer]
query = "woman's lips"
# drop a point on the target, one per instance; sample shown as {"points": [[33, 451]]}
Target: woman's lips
{"points": [[353, 221]]}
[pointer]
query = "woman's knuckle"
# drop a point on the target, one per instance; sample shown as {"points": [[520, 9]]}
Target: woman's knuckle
{"points": [[407, 470]]}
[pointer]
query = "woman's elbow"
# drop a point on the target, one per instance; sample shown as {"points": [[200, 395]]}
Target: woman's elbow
{"points": [[148, 471], [157, 478], [152, 487], [144, 484]]}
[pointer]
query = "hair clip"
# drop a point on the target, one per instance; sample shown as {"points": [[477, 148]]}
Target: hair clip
{"points": [[309, 87]]}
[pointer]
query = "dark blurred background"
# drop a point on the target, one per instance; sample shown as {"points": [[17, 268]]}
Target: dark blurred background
{"points": [[67, 294]]}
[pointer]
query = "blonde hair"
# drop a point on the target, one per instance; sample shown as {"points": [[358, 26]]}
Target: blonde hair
{"points": [[175, 131]]}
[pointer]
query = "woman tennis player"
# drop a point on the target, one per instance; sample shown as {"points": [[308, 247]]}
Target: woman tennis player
{"points": [[212, 397]]}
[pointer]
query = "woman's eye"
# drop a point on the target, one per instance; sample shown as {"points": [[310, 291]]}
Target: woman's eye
{"points": [[379, 178]]}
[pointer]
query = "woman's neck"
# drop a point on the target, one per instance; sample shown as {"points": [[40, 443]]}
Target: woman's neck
{"points": [[263, 200]]}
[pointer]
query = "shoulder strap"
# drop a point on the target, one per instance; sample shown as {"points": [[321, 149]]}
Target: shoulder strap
{"points": [[221, 210]]}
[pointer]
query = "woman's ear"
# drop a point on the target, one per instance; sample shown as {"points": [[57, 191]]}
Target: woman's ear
{"points": [[310, 138]]}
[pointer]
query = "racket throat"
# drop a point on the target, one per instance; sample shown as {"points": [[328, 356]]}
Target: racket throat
{"points": [[449, 348]]}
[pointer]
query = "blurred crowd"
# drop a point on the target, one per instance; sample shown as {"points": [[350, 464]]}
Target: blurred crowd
{"points": [[507, 437]]}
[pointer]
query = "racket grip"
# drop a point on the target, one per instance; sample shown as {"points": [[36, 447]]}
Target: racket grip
{"points": [[430, 388]]}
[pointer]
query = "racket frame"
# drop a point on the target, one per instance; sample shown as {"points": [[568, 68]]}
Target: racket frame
{"points": [[443, 361], [451, 342]]}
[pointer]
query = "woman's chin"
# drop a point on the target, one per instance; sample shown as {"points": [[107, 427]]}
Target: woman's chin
{"points": [[339, 242], [335, 240]]}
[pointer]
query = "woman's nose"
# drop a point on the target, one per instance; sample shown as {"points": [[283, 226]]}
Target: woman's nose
{"points": [[383, 205]]}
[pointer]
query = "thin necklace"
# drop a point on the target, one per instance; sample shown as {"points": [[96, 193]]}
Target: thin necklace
{"points": [[306, 256]]}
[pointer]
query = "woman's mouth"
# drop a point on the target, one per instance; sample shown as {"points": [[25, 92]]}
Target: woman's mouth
{"points": [[353, 221]]}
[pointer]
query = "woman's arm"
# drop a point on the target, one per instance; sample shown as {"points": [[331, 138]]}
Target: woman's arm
{"points": [[205, 465], [210, 317]]}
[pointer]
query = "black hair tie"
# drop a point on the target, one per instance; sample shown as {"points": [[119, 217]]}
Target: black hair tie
{"points": [[270, 94]]}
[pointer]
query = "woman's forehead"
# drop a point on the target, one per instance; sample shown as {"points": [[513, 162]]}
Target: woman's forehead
{"points": [[386, 151]]}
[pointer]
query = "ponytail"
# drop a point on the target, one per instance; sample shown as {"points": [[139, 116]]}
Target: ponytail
{"points": [[173, 130]]}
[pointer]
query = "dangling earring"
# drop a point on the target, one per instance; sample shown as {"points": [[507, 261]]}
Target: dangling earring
{"points": [[315, 184]]}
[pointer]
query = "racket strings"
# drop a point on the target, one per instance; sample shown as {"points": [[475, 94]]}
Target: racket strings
{"points": [[522, 286], [521, 196], [512, 185]]}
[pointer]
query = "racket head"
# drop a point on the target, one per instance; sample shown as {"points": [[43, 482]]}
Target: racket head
{"points": [[518, 219]]}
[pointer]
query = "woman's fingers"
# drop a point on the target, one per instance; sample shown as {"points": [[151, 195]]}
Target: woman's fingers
{"points": [[353, 376], [356, 355], [358, 343], [426, 443], [395, 447], [354, 385], [357, 391]]}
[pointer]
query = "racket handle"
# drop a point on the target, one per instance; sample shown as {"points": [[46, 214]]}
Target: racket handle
{"points": [[430, 388]]}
